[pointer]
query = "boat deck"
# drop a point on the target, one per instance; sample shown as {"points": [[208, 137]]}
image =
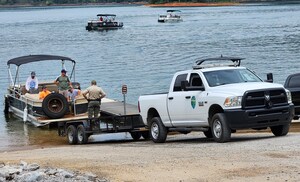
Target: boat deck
{"points": [[108, 107]]}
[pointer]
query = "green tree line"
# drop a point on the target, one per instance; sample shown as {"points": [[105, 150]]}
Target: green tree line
{"points": [[51, 2]]}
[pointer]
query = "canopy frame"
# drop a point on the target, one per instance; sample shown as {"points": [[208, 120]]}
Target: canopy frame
{"points": [[36, 58]]}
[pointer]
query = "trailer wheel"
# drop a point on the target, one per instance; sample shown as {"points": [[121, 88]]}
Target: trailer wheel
{"points": [[136, 135], [82, 136], [158, 131], [72, 134], [55, 105], [281, 130], [208, 133], [220, 129], [146, 135]]}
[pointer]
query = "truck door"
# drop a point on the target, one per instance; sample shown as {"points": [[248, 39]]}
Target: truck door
{"points": [[184, 110], [177, 102], [195, 103]]}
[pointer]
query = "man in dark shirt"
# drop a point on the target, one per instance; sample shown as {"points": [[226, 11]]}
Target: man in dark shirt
{"points": [[63, 82]]}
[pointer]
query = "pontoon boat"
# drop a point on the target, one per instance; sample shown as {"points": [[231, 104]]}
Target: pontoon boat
{"points": [[104, 22], [53, 107], [172, 16]]}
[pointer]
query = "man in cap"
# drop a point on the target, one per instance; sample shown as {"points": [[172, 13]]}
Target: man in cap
{"points": [[32, 83], [95, 94], [63, 82]]}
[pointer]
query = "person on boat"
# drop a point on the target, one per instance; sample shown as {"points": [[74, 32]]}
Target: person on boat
{"points": [[101, 19], [73, 93], [63, 82], [32, 84], [44, 93], [95, 94]]}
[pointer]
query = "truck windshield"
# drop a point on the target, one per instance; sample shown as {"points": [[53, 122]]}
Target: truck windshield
{"points": [[223, 77]]}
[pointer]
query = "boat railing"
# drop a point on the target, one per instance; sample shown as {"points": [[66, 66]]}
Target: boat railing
{"points": [[104, 21], [19, 96], [74, 107]]}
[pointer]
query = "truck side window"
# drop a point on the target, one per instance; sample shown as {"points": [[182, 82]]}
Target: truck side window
{"points": [[195, 80], [177, 84]]}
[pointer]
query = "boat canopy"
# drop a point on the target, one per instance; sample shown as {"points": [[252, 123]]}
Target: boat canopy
{"points": [[106, 15], [35, 58], [170, 11]]}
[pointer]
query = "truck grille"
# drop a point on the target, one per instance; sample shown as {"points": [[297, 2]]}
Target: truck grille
{"points": [[264, 99]]}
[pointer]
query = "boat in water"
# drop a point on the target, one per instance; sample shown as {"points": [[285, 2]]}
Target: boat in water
{"points": [[54, 107], [104, 22], [171, 16]]}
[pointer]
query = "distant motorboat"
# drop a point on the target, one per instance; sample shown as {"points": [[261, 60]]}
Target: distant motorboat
{"points": [[104, 22], [171, 16]]}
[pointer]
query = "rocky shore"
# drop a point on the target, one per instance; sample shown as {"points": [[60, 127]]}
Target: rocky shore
{"points": [[25, 172]]}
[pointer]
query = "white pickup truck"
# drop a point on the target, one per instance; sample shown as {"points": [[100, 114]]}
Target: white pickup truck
{"points": [[217, 99]]}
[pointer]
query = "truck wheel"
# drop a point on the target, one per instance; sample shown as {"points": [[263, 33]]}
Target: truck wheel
{"points": [[72, 134], [220, 130], [146, 135], [208, 133], [135, 135], [82, 137], [158, 131], [280, 130]]}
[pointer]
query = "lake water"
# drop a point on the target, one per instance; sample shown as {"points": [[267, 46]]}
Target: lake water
{"points": [[144, 54]]}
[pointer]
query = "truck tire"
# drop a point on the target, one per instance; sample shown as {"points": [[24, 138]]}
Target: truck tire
{"points": [[208, 133], [158, 131], [82, 137], [146, 135], [136, 135], [281, 130], [220, 130], [55, 105], [72, 134]]}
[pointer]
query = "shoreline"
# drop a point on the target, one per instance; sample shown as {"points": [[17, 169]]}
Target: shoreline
{"points": [[190, 4], [145, 161], [294, 129], [71, 5], [146, 4]]}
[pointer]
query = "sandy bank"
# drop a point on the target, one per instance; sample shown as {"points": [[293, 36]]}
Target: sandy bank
{"points": [[249, 157], [192, 4]]}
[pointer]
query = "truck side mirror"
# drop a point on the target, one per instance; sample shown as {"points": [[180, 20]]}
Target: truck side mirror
{"points": [[184, 85], [269, 77]]}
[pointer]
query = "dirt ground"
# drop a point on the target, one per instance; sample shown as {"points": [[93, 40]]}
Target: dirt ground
{"points": [[192, 157]]}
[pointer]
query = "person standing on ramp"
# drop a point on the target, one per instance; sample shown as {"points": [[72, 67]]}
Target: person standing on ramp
{"points": [[93, 94]]}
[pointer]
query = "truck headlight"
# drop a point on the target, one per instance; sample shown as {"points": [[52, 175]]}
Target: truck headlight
{"points": [[233, 101], [289, 96]]}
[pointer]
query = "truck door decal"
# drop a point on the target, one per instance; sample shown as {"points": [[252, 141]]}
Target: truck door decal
{"points": [[193, 102]]}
